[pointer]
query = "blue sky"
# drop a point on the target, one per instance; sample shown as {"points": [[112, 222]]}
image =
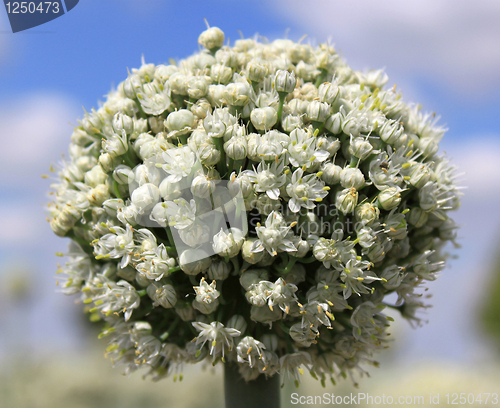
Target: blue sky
{"points": [[444, 55]]}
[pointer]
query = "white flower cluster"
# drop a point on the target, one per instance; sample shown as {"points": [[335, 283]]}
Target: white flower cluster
{"points": [[344, 197]]}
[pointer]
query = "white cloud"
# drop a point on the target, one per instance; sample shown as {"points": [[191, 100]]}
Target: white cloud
{"points": [[34, 130], [21, 224], [479, 160], [455, 40]]}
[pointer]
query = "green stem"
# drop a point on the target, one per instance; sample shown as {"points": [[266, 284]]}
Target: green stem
{"points": [[321, 78], [128, 160], [236, 263], [263, 392], [82, 242], [280, 108], [165, 335], [170, 239], [116, 190], [354, 161], [221, 165], [307, 260], [237, 166]]}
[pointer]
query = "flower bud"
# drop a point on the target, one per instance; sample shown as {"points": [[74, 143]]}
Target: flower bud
{"points": [[162, 295], [367, 213], [128, 214], [291, 122], [131, 85], [98, 194], [123, 122], [420, 175], [393, 276], [178, 83], [147, 174], [123, 174], [334, 123], [194, 261], [266, 205], [303, 248], [284, 81], [248, 255], [221, 74], [237, 322], [145, 197], [95, 176], [391, 131], [208, 154], [116, 144], [428, 147], [264, 118], [360, 148], [201, 108], [346, 200], [329, 93], [212, 39], [330, 173], [108, 162], [169, 191], [157, 124], [65, 220], [389, 198], [318, 111], [206, 308], [448, 230], [219, 270], [179, 122], [185, 311], [197, 87], [163, 72], [252, 277], [351, 177], [112, 205], [240, 184], [140, 126], [256, 71], [196, 234], [228, 244], [238, 93], [265, 315], [236, 148], [417, 217], [204, 185], [310, 224]]}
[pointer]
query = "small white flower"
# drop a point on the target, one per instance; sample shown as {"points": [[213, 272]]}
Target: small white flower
{"points": [[154, 97], [228, 244], [273, 236], [179, 163], [218, 336], [305, 191], [119, 243], [303, 149], [264, 118], [179, 122], [162, 295], [145, 197], [268, 178], [249, 350], [116, 144]]}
